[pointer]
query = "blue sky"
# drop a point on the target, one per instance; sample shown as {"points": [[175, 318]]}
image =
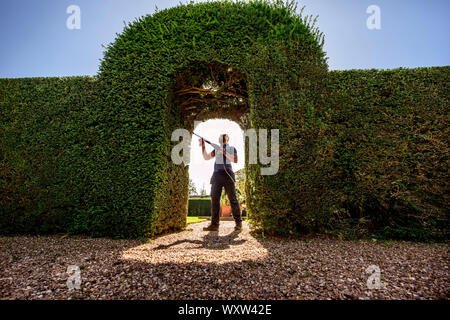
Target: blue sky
{"points": [[35, 42]]}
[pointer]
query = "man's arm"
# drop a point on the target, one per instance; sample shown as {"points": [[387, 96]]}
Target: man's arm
{"points": [[206, 156]]}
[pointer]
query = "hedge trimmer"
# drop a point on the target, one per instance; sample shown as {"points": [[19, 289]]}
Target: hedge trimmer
{"points": [[215, 146]]}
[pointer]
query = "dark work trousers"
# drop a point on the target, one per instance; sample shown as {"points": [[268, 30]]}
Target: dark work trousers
{"points": [[221, 180]]}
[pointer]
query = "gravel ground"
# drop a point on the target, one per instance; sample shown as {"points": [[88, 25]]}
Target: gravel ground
{"points": [[226, 265]]}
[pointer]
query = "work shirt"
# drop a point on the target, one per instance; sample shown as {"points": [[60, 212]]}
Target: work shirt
{"points": [[221, 159]]}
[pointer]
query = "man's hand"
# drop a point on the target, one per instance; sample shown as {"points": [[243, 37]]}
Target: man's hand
{"points": [[232, 158], [206, 156]]}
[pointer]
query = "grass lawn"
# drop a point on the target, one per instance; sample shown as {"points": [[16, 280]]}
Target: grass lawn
{"points": [[194, 220]]}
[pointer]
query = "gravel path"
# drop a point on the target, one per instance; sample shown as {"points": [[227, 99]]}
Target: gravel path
{"points": [[227, 265]]}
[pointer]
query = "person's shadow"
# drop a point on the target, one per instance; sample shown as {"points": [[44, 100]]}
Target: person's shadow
{"points": [[211, 240]]}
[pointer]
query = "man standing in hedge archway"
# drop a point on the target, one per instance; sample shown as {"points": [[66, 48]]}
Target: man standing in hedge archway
{"points": [[223, 177]]}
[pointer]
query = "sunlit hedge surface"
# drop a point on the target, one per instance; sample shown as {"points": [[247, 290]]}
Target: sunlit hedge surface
{"points": [[360, 150], [46, 132], [390, 133]]}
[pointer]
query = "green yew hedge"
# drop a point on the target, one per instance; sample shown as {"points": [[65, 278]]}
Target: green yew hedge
{"points": [[199, 207], [139, 72], [390, 132], [360, 150], [46, 130]]}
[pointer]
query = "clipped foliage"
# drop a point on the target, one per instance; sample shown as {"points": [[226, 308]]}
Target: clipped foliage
{"points": [[153, 72], [45, 133], [390, 133]]}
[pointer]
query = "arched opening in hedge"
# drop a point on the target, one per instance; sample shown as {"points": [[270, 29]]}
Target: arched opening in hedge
{"points": [[212, 90], [257, 63], [200, 171]]}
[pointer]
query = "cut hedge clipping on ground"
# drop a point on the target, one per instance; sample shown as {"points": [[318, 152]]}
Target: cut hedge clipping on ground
{"points": [[361, 151]]}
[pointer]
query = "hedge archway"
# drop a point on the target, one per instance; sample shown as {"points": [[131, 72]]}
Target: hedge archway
{"points": [[275, 54]]}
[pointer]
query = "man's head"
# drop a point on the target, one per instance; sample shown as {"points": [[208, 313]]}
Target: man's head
{"points": [[223, 138]]}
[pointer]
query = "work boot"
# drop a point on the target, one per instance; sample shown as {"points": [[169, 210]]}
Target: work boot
{"points": [[238, 226], [211, 227]]}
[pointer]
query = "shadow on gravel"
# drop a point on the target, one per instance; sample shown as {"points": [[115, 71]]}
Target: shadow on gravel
{"points": [[219, 265], [211, 240]]}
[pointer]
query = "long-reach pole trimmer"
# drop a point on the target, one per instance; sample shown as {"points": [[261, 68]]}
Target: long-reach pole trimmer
{"points": [[216, 148]]}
